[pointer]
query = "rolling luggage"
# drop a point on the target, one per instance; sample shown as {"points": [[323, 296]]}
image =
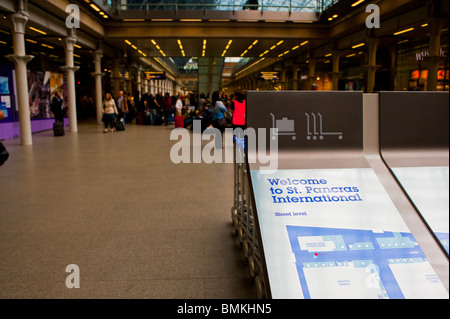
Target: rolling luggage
{"points": [[58, 129], [120, 124], [158, 118]]}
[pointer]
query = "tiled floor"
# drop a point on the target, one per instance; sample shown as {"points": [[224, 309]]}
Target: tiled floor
{"points": [[137, 225]]}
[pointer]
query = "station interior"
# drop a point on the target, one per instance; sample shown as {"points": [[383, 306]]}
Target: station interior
{"points": [[136, 225]]}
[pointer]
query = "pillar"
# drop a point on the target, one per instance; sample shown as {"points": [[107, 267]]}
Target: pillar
{"points": [[295, 78], [283, 79], [145, 86], [312, 72], [434, 58], [139, 80], [98, 84], [372, 64], [20, 59], [116, 76], [335, 73], [70, 69], [129, 83]]}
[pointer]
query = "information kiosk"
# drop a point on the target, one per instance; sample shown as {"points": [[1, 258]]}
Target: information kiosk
{"points": [[324, 222]]}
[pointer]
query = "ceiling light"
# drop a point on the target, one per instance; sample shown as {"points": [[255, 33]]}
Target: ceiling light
{"points": [[350, 55], [32, 41], [162, 20], [335, 16], [191, 20], [303, 43], [133, 20], [358, 45], [329, 54], [424, 25], [38, 31], [95, 7], [403, 31], [357, 2]]}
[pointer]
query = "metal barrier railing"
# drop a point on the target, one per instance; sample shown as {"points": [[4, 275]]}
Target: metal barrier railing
{"points": [[243, 218]]}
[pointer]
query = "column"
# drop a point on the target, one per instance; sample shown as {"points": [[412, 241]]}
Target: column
{"points": [[283, 79], [98, 84], [20, 59], [434, 58], [295, 78], [372, 64], [312, 72], [139, 80], [129, 83], [116, 76], [335, 73], [70, 77], [145, 86]]}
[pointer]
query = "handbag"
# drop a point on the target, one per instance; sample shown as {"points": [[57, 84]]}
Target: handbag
{"points": [[223, 122], [4, 155]]}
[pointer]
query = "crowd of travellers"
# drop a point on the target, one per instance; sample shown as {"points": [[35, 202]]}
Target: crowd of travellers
{"points": [[218, 110]]}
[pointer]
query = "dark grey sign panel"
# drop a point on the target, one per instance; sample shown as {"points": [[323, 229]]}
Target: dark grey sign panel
{"points": [[414, 120], [308, 120]]}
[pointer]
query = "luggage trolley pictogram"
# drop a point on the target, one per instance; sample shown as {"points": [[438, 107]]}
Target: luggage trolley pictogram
{"points": [[284, 126], [321, 134]]}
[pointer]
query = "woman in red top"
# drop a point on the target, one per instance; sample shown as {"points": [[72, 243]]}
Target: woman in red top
{"points": [[238, 108]]}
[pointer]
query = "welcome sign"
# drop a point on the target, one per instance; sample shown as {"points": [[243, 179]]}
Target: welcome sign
{"points": [[329, 231]]}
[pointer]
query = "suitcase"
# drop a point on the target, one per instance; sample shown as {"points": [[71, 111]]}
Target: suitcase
{"points": [[58, 129], [120, 125], [158, 119], [179, 122]]}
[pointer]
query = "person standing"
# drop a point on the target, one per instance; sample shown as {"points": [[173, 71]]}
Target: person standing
{"points": [[219, 120], [167, 107], [57, 107], [179, 106], [219, 109], [109, 112], [122, 105], [237, 107]]}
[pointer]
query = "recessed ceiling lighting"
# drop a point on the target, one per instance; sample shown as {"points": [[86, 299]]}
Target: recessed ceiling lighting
{"points": [[403, 31], [38, 31]]}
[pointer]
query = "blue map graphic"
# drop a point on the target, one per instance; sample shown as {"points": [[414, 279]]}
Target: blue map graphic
{"points": [[376, 252]]}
